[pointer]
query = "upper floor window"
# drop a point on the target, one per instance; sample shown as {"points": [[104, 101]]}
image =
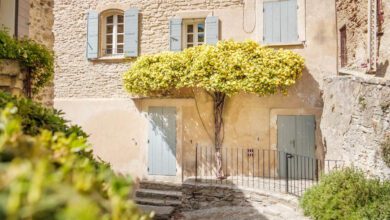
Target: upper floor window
{"points": [[186, 33], [280, 21], [194, 32], [113, 34]]}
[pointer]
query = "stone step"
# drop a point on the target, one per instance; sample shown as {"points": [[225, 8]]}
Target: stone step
{"points": [[157, 202], [160, 185], [158, 194], [160, 212]]}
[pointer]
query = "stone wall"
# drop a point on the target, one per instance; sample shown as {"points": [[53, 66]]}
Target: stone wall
{"points": [[41, 24], [11, 77], [355, 121], [354, 15]]}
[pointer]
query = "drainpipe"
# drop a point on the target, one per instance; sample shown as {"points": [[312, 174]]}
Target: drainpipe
{"points": [[372, 43], [16, 31], [337, 40]]}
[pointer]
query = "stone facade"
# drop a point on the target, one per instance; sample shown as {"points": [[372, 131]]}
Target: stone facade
{"points": [[91, 92], [11, 77], [354, 16], [40, 30], [355, 121]]}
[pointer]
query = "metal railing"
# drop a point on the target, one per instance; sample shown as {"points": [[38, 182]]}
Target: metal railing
{"points": [[262, 169]]}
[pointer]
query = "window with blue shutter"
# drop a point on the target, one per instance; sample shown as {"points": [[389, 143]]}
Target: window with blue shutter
{"points": [[280, 21], [212, 30], [175, 30], [93, 35], [131, 33]]}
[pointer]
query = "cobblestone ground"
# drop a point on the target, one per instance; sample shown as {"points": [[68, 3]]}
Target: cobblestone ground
{"points": [[270, 212]]}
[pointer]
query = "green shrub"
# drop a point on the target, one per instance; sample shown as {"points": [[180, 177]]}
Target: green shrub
{"points": [[33, 56], [35, 117], [8, 47], [47, 177], [385, 147], [347, 194]]}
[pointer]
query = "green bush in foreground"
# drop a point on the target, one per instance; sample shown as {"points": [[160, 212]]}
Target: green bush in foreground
{"points": [[35, 117], [47, 177], [347, 194]]}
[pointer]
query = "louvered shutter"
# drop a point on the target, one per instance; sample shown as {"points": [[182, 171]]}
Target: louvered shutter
{"points": [[92, 35], [175, 30], [272, 22], [131, 33], [280, 21], [289, 19], [212, 30]]}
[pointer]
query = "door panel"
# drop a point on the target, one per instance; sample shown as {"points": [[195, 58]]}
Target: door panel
{"points": [[286, 140], [305, 138], [296, 135], [162, 141]]}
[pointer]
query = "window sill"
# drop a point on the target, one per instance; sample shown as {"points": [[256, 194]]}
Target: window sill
{"points": [[112, 59], [346, 71], [298, 43]]}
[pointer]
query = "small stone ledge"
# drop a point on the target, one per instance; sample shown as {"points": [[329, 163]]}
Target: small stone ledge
{"points": [[368, 80]]}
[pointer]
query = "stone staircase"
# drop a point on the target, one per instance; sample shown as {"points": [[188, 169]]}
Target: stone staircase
{"points": [[160, 197]]}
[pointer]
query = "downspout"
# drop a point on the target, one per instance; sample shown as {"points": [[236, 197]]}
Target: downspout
{"points": [[372, 43], [337, 41], [16, 19]]}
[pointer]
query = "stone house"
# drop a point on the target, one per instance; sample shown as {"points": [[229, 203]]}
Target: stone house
{"points": [[97, 41]]}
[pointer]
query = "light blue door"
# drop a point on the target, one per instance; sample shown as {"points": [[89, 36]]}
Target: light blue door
{"points": [[162, 141], [296, 135]]}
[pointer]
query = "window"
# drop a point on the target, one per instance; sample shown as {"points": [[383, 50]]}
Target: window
{"points": [[280, 21], [343, 46], [113, 34], [194, 32]]}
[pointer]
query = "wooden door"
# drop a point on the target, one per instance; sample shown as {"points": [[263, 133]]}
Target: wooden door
{"points": [[162, 141]]}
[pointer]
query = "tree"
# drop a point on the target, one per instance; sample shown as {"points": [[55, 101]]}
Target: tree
{"points": [[222, 70]]}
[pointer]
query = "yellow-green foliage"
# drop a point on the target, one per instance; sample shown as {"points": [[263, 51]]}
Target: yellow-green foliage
{"points": [[52, 176], [229, 67]]}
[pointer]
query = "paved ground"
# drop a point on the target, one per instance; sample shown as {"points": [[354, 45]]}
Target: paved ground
{"points": [[272, 212]]}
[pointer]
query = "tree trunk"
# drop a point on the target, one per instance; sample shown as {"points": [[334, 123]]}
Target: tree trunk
{"points": [[219, 103]]}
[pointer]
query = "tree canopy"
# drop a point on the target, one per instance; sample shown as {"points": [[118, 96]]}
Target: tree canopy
{"points": [[228, 67]]}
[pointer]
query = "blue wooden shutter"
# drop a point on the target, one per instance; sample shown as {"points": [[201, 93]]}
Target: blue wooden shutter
{"points": [[175, 30], [212, 30], [93, 35], [271, 22], [131, 33], [289, 19], [280, 21]]}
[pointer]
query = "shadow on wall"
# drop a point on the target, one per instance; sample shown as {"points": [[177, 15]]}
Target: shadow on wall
{"points": [[382, 69], [205, 201]]}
